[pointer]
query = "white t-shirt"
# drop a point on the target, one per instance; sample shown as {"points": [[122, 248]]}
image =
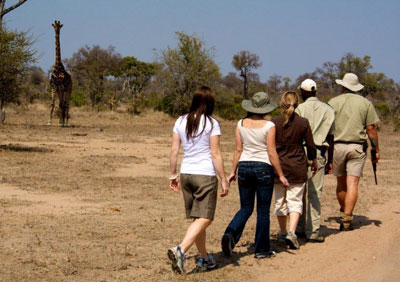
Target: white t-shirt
{"points": [[254, 143], [196, 152]]}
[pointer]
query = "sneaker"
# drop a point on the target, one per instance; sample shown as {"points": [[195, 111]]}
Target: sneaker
{"points": [[343, 228], [282, 237], [203, 264], [291, 241], [177, 257], [346, 222], [317, 239], [262, 255], [227, 245]]}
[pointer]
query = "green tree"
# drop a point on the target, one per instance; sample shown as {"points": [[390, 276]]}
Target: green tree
{"points": [[135, 76], [244, 62], [16, 54], [183, 69], [92, 66]]}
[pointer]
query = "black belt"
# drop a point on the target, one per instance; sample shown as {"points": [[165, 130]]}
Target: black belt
{"points": [[362, 143]]}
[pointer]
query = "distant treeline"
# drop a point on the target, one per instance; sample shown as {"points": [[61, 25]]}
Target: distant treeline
{"points": [[103, 79]]}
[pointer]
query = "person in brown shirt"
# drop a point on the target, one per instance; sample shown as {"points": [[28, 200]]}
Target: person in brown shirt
{"points": [[292, 131]]}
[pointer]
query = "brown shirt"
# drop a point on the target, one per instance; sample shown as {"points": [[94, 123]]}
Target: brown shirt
{"points": [[289, 145]]}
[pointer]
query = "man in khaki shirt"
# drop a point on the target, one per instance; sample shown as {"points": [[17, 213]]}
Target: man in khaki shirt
{"points": [[321, 118], [355, 119]]}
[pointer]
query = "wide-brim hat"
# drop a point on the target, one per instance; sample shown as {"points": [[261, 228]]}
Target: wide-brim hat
{"points": [[260, 103], [350, 81]]}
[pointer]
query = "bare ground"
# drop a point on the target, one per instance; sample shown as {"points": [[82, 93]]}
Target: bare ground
{"points": [[91, 203]]}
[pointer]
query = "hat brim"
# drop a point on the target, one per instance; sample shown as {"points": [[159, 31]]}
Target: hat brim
{"points": [[354, 88], [247, 105]]}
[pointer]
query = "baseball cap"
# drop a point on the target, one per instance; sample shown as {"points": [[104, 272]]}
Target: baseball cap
{"points": [[308, 85]]}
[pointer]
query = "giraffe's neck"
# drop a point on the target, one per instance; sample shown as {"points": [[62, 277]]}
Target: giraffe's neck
{"points": [[58, 50]]}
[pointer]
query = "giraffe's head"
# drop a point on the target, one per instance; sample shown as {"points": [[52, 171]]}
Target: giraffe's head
{"points": [[57, 26]]}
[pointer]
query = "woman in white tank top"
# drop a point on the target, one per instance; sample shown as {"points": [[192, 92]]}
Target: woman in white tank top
{"points": [[254, 161]]}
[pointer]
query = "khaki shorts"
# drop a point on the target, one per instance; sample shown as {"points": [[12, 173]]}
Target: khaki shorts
{"points": [[288, 200], [348, 159], [200, 195]]}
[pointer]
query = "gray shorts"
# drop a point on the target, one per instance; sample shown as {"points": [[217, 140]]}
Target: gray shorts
{"points": [[348, 159], [200, 195]]}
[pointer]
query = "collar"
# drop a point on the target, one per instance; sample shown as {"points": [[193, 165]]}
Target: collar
{"points": [[311, 99]]}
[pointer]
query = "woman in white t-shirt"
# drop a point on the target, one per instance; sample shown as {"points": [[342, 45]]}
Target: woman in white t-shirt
{"points": [[199, 133], [255, 152]]}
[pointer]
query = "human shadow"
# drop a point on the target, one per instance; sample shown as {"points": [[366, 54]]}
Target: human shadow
{"points": [[358, 222], [19, 148]]}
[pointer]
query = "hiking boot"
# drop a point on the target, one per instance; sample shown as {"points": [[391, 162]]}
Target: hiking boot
{"points": [[345, 224], [316, 239], [281, 237], [291, 241], [207, 264], [177, 258], [227, 245], [262, 255]]}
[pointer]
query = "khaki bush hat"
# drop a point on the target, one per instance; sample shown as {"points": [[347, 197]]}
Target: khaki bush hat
{"points": [[260, 103], [350, 81], [308, 85]]}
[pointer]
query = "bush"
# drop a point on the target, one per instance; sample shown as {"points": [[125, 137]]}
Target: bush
{"points": [[78, 98], [383, 111]]}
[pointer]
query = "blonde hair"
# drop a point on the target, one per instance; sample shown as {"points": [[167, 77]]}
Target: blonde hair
{"points": [[289, 102]]}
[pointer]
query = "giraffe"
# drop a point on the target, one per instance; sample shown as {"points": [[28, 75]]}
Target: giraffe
{"points": [[60, 82]]}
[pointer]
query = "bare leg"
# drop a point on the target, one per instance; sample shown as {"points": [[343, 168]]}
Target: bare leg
{"points": [[194, 231], [352, 194], [282, 223], [53, 100], [293, 220], [201, 244], [341, 190]]}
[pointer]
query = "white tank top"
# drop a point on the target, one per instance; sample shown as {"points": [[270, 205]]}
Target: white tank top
{"points": [[254, 143]]}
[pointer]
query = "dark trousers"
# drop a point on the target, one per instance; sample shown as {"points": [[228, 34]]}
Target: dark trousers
{"points": [[254, 178]]}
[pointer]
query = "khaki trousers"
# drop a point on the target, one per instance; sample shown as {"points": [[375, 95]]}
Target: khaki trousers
{"points": [[310, 219]]}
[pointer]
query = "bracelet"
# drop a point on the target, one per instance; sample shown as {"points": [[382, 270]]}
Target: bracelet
{"points": [[173, 177]]}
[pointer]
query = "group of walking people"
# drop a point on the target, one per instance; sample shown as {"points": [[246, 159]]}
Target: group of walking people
{"points": [[286, 155]]}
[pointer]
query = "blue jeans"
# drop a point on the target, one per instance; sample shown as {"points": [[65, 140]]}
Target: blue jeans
{"points": [[254, 178]]}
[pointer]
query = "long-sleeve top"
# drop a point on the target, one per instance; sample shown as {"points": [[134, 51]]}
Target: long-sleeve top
{"points": [[289, 145]]}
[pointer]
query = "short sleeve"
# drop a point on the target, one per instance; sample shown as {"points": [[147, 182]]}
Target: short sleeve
{"points": [[176, 126], [269, 125], [372, 116], [216, 129]]}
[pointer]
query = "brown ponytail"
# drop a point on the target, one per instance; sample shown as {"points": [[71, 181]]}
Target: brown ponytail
{"points": [[289, 102]]}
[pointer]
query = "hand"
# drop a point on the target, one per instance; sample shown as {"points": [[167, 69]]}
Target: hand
{"points": [[232, 177], [225, 188], [377, 158], [329, 168], [174, 185], [284, 181], [314, 166]]}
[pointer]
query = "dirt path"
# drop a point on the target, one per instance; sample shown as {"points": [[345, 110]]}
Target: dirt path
{"points": [[91, 203]]}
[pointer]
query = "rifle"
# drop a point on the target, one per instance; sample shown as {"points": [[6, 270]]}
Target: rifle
{"points": [[373, 157]]}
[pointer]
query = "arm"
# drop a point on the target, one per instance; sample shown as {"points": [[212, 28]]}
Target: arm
{"points": [[329, 165], [311, 151], [236, 155], [273, 156], [219, 163], [373, 136], [173, 160]]}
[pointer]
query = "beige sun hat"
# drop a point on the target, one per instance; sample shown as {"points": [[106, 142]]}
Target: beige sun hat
{"points": [[260, 103], [350, 81]]}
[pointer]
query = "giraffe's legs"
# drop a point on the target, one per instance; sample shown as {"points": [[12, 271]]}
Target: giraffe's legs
{"points": [[53, 100], [62, 111], [66, 112]]}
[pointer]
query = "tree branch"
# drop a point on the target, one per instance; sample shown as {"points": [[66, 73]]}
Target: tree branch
{"points": [[9, 9]]}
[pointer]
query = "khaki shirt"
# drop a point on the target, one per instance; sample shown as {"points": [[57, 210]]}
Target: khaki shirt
{"points": [[352, 115], [321, 118]]}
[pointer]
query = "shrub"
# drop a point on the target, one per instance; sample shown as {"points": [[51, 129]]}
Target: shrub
{"points": [[383, 111], [78, 98]]}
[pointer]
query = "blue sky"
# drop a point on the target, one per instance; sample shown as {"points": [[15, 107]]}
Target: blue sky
{"points": [[290, 37]]}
